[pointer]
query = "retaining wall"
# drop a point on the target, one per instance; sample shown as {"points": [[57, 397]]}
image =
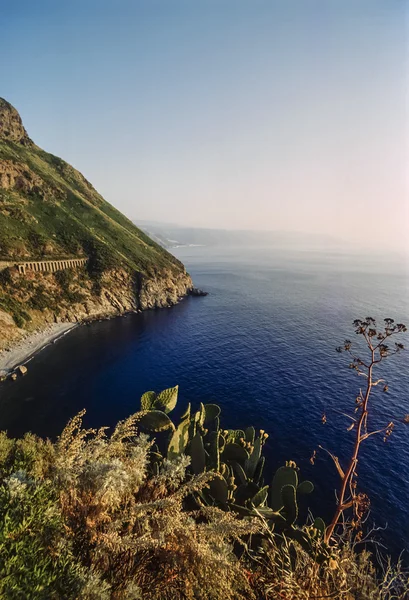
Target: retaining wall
{"points": [[45, 265]]}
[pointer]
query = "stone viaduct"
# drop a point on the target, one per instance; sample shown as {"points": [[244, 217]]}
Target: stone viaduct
{"points": [[45, 265]]}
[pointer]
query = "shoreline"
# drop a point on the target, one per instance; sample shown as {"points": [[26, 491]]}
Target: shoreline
{"points": [[25, 349]]}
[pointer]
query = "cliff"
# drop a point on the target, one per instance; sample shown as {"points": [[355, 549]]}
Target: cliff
{"points": [[49, 211]]}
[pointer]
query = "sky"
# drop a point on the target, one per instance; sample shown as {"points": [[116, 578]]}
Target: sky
{"points": [[281, 115]]}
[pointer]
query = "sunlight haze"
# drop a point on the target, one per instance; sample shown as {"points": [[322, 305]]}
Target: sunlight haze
{"points": [[226, 114]]}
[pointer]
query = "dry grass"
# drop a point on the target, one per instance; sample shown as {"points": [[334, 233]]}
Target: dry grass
{"points": [[133, 527], [129, 533]]}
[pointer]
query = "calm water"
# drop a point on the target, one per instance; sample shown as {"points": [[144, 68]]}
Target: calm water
{"points": [[262, 346]]}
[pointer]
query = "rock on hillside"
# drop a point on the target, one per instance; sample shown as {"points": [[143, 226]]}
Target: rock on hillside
{"points": [[11, 125], [49, 211]]}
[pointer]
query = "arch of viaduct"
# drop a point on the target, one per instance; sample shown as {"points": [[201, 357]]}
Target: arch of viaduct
{"points": [[45, 265]]}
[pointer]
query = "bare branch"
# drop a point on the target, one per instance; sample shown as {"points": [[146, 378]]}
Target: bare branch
{"points": [[377, 353], [336, 462]]}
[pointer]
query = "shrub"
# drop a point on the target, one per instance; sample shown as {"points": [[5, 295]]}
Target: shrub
{"points": [[38, 242], [10, 305], [64, 278], [5, 277], [100, 258], [124, 516], [40, 300], [35, 556]]}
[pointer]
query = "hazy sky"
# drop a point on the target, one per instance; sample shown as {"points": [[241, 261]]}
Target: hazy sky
{"points": [[223, 113]]}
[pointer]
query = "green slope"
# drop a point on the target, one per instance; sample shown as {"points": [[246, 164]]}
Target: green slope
{"points": [[49, 209]]}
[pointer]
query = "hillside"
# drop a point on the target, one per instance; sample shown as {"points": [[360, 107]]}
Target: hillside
{"points": [[49, 211]]}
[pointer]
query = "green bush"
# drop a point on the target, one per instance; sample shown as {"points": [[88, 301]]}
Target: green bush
{"points": [[35, 556], [19, 320], [37, 242], [122, 517], [40, 300], [64, 278], [5, 277], [10, 305], [100, 258]]}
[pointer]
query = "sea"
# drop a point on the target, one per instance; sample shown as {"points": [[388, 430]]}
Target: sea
{"points": [[262, 346]]}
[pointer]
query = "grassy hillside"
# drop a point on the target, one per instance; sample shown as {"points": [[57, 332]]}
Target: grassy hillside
{"points": [[49, 209]]}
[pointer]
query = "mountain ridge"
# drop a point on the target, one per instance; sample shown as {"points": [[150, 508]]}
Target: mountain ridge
{"points": [[50, 211]]}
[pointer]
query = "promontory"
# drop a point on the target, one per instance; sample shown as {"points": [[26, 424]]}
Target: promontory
{"points": [[66, 254]]}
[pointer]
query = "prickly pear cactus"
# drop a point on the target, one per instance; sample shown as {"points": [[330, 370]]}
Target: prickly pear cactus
{"points": [[180, 438], [219, 490], [250, 434], [319, 526], [236, 456], [289, 496], [148, 401], [284, 476], [212, 412], [305, 487], [156, 420], [260, 498], [251, 463], [197, 453], [233, 451], [258, 475], [165, 401], [200, 416], [214, 450]]}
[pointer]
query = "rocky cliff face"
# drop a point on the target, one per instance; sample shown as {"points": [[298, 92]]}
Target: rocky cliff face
{"points": [[11, 125], [49, 211], [40, 298], [164, 289]]}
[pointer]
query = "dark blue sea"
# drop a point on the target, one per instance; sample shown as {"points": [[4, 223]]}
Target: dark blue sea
{"points": [[262, 345]]}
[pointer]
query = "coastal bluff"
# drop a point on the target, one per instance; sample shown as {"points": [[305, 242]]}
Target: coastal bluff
{"points": [[66, 254]]}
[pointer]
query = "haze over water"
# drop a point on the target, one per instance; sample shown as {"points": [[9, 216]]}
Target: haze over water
{"points": [[271, 115], [262, 345]]}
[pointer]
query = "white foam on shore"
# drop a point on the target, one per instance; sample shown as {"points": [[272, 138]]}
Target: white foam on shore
{"points": [[24, 350]]}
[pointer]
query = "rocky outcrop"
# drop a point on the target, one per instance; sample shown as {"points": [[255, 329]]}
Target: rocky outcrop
{"points": [[164, 289], [19, 177], [197, 292], [11, 125], [120, 293], [9, 332]]}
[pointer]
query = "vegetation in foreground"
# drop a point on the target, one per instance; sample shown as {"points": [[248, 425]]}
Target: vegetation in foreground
{"points": [[183, 515]]}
